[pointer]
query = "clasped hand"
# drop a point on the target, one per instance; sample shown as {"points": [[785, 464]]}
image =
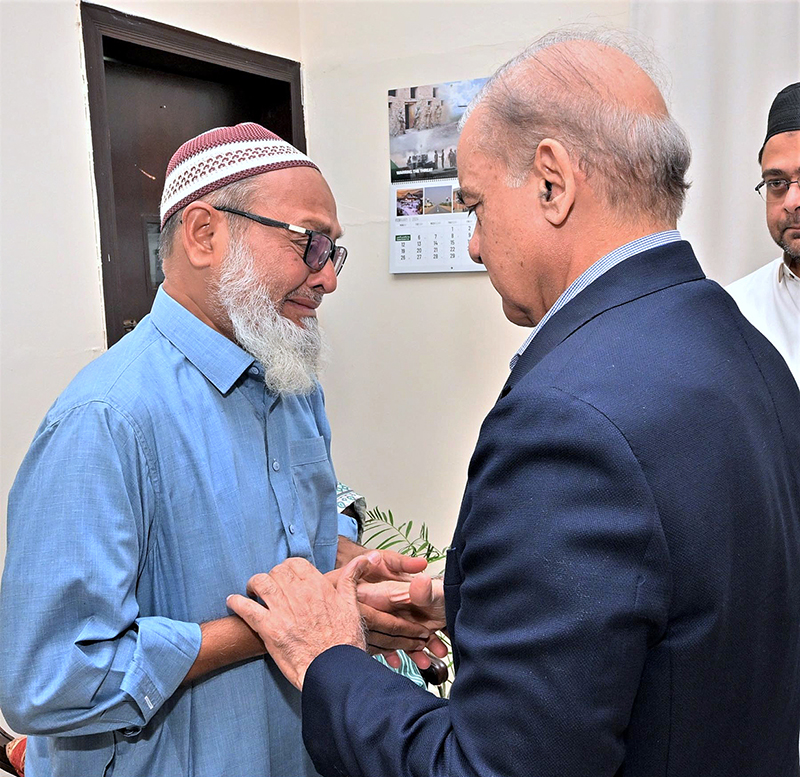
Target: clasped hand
{"points": [[304, 612]]}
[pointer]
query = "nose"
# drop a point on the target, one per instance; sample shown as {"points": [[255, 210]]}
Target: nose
{"points": [[323, 280], [791, 201], [474, 247]]}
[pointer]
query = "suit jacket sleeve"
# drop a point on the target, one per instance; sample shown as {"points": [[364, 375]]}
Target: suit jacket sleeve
{"points": [[557, 583]]}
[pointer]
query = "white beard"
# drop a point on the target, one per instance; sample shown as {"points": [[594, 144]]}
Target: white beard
{"points": [[291, 354]]}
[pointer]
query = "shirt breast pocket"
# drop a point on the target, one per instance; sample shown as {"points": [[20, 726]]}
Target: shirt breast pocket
{"points": [[315, 484]]}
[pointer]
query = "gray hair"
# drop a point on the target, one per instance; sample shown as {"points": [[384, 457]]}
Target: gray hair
{"points": [[637, 161], [238, 194]]}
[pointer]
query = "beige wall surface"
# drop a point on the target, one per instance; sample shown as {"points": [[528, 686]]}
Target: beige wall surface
{"points": [[51, 321], [418, 360]]}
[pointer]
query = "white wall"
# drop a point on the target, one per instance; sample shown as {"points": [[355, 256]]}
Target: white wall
{"points": [[419, 359], [270, 26], [728, 60], [51, 321]]}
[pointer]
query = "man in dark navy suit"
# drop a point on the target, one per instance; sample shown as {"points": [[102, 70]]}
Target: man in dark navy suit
{"points": [[623, 587]]}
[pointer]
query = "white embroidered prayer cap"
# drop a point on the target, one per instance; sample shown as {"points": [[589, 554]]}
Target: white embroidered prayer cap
{"points": [[221, 156]]}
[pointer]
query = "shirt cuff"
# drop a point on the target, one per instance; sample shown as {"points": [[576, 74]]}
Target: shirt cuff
{"points": [[348, 527], [165, 651]]}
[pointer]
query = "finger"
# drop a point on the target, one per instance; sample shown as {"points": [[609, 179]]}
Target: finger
{"points": [[392, 640], [260, 585], [390, 656], [255, 615], [333, 576], [392, 625], [437, 647], [381, 642], [293, 569], [393, 660], [383, 596], [403, 565], [351, 574], [420, 591], [279, 589], [420, 658]]}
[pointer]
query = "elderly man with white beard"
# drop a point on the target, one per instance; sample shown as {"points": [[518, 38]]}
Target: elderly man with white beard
{"points": [[190, 456]]}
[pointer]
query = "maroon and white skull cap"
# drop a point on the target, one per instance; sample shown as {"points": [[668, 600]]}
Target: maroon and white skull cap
{"points": [[221, 156]]}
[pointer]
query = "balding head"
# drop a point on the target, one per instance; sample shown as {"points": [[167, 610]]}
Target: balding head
{"points": [[596, 70], [597, 92]]}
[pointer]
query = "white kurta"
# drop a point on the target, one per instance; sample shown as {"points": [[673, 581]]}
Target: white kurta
{"points": [[770, 299]]}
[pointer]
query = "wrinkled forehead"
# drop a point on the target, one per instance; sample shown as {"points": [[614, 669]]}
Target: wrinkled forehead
{"points": [[300, 196], [472, 156]]}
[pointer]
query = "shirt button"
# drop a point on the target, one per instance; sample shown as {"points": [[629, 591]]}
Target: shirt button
{"points": [[253, 371], [291, 528], [276, 465]]}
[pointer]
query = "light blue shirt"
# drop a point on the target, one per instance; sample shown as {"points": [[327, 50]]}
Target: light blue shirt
{"points": [[161, 479], [594, 271]]}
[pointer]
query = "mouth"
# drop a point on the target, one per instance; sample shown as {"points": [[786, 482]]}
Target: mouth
{"points": [[306, 306]]}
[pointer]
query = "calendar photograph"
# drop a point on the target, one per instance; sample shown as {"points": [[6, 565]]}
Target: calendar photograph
{"points": [[438, 199], [423, 129], [409, 202], [458, 203]]}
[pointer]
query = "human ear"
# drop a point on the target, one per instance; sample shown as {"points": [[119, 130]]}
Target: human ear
{"points": [[204, 235], [552, 167]]}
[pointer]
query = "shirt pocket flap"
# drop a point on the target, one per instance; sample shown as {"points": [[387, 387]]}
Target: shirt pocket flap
{"points": [[307, 451]]}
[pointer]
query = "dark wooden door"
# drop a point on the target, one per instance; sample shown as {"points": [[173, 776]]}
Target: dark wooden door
{"points": [[153, 87]]}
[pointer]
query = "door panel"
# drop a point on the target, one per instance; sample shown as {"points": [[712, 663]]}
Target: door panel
{"points": [[152, 87]]}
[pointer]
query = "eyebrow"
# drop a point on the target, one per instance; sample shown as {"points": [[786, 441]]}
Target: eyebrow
{"points": [[325, 229], [316, 226], [777, 171]]}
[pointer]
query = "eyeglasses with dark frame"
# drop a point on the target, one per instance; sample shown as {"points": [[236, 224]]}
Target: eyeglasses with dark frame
{"points": [[775, 189], [319, 247]]}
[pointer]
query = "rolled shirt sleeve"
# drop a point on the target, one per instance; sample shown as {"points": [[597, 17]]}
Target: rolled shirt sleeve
{"points": [[77, 657], [350, 527]]}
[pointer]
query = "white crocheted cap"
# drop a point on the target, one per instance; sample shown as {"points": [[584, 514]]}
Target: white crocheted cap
{"points": [[221, 156]]}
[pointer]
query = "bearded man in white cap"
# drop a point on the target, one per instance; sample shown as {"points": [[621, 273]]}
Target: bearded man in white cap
{"points": [[191, 455], [770, 296]]}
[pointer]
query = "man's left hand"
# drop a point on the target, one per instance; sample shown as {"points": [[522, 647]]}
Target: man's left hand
{"points": [[391, 566], [388, 631], [303, 613]]}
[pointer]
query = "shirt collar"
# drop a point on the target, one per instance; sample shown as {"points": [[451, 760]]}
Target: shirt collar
{"points": [[784, 272], [594, 271], [220, 360]]}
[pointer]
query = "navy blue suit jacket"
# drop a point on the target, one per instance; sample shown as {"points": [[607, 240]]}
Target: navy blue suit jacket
{"points": [[623, 588]]}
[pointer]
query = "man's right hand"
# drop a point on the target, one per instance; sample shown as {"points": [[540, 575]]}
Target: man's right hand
{"points": [[420, 601]]}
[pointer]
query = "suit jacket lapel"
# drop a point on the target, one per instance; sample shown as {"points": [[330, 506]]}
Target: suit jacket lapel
{"points": [[635, 277]]}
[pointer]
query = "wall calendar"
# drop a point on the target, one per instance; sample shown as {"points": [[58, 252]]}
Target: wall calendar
{"points": [[429, 227]]}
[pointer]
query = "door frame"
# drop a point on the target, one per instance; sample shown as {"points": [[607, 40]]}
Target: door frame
{"points": [[99, 22]]}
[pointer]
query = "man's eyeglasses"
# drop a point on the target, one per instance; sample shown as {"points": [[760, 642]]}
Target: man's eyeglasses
{"points": [[319, 247], [775, 190]]}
